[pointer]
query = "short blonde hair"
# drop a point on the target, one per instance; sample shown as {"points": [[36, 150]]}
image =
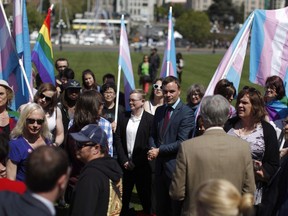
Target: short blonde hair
{"points": [[219, 197], [21, 124]]}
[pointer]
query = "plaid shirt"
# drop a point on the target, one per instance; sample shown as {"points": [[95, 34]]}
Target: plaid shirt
{"points": [[106, 126]]}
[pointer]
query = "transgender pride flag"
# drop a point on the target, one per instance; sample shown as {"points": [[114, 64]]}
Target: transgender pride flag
{"points": [[232, 63], [24, 83], [269, 46], [8, 56], [42, 54], [125, 64], [169, 60]]}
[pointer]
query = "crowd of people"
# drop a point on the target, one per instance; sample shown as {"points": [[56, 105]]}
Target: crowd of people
{"points": [[201, 157]]}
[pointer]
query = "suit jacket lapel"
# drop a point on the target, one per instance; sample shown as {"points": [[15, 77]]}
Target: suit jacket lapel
{"points": [[173, 116]]}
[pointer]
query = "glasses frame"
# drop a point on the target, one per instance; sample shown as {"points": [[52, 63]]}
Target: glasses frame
{"points": [[32, 121], [48, 99], [156, 86], [80, 145]]}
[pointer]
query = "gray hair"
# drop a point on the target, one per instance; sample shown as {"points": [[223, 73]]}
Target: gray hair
{"points": [[214, 110]]}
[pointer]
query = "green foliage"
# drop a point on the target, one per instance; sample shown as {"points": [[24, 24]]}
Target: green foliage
{"points": [[225, 12], [194, 26], [35, 19]]}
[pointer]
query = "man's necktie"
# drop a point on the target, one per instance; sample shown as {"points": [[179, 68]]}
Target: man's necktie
{"points": [[166, 118]]}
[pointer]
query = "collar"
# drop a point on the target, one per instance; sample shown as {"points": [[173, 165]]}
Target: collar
{"points": [[214, 128], [175, 104], [46, 202], [136, 118]]}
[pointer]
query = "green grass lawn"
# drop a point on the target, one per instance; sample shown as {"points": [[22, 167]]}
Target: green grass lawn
{"points": [[199, 68]]}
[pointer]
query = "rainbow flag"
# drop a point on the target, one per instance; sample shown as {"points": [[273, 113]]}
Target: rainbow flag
{"points": [[269, 46], [42, 54], [125, 62], [169, 60], [277, 109]]}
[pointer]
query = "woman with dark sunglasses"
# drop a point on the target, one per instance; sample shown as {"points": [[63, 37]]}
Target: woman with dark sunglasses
{"points": [[30, 132], [250, 125], [46, 97], [156, 97]]}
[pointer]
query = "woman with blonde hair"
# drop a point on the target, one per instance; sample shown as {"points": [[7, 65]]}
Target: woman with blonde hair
{"points": [[30, 132], [219, 197]]}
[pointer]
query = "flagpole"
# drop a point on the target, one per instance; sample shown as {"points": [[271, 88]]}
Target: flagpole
{"points": [[117, 95], [168, 41], [231, 60], [118, 80], [14, 49]]}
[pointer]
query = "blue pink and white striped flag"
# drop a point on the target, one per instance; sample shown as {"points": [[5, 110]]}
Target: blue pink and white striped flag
{"points": [[232, 63], [269, 46], [169, 60], [8, 56], [22, 44], [125, 63]]}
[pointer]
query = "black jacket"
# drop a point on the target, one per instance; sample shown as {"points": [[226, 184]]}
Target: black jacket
{"points": [[91, 195], [12, 203]]}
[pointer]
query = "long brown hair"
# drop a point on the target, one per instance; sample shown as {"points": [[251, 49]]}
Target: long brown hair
{"points": [[47, 87], [256, 100]]}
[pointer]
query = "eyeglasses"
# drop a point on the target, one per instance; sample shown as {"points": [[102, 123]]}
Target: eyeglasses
{"points": [[81, 145], [32, 121], [134, 100], [155, 86], [48, 99], [109, 93]]}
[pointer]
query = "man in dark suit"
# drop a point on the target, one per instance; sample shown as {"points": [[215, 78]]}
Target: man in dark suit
{"points": [[173, 124], [47, 174], [132, 144], [213, 155]]}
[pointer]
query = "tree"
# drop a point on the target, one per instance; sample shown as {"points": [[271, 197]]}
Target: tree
{"points": [[194, 26], [224, 12]]}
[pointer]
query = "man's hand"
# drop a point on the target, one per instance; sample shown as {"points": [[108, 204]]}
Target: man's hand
{"points": [[153, 153]]}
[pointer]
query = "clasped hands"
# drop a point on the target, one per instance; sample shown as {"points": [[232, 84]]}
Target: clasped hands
{"points": [[152, 153]]}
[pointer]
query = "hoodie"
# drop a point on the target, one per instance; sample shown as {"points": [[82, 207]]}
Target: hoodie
{"points": [[91, 195]]}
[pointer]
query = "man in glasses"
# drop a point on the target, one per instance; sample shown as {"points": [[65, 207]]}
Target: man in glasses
{"points": [[173, 124], [100, 177]]}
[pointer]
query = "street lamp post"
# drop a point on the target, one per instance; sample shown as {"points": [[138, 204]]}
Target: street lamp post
{"points": [[61, 24]]}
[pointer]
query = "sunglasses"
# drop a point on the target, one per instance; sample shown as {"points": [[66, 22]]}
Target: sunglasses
{"points": [[32, 121], [155, 86], [48, 99], [81, 145]]}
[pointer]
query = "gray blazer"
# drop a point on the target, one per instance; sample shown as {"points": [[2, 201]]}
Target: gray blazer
{"points": [[212, 155]]}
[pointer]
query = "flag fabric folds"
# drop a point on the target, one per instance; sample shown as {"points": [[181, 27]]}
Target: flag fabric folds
{"points": [[269, 46], [22, 45], [125, 63], [232, 63], [169, 60], [42, 54], [8, 56]]}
